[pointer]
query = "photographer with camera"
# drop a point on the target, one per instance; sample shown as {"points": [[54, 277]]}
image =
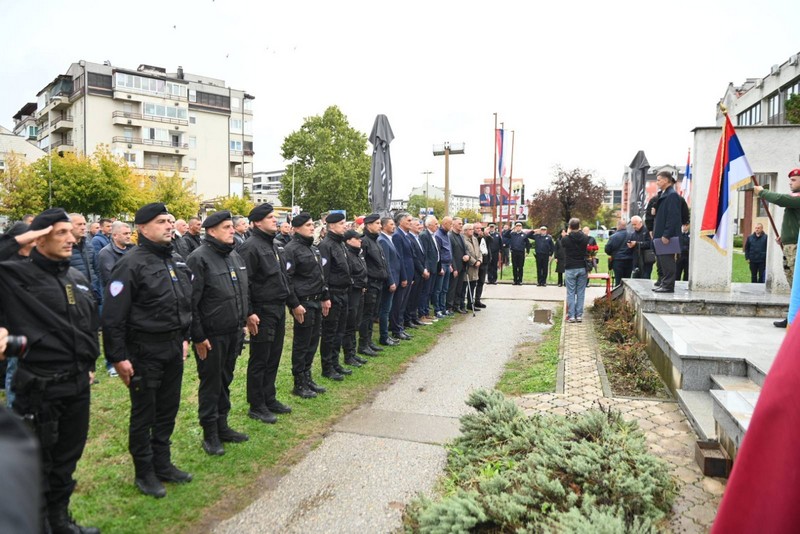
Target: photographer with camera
{"points": [[53, 306]]}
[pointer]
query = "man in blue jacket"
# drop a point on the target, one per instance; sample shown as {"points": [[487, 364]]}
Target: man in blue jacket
{"points": [[755, 252], [395, 271], [619, 252], [544, 248], [517, 240], [402, 245], [446, 263], [667, 226]]}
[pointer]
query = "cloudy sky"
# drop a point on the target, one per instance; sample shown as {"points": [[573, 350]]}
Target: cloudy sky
{"points": [[582, 83]]}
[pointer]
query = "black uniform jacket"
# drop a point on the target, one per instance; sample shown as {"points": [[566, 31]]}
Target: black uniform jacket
{"points": [[150, 293], [377, 269], [219, 290], [304, 267], [53, 305], [334, 261], [265, 258], [358, 267]]}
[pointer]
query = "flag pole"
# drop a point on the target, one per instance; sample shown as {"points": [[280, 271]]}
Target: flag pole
{"points": [[494, 173]]}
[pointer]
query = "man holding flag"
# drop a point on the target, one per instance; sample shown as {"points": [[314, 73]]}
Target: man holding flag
{"points": [[790, 225]]}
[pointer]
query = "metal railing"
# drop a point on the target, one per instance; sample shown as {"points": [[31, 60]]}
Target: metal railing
{"points": [[62, 118], [171, 168], [154, 118], [150, 142], [168, 96]]}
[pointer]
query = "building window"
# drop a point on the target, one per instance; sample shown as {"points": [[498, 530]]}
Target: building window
{"points": [[248, 104], [192, 119], [170, 112], [750, 116], [192, 164], [32, 131], [236, 145], [248, 127], [774, 109], [128, 133], [130, 158], [192, 141], [212, 100], [768, 180], [192, 95], [236, 125], [99, 80]]}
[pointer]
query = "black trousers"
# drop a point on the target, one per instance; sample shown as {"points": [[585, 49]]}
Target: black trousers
{"points": [[333, 327], [542, 263], [518, 264], [155, 392], [622, 269], [265, 354], [668, 268], [682, 266], [399, 302], [216, 375], [757, 270], [355, 305], [482, 270], [491, 269], [414, 294], [455, 293], [372, 301], [61, 423], [306, 338]]}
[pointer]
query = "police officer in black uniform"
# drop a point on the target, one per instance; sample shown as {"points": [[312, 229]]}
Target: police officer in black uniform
{"points": [[306, 280], [333, 254], [147, 314], [54, 307], [269, 296], [219, 313], [355, 301], [377, 274]]}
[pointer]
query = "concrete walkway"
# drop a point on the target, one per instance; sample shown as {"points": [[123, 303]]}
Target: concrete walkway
{"points": [[376, 459], [668, 433]]}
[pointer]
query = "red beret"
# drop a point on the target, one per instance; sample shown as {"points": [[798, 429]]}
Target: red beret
{"points": [[794, 172]]}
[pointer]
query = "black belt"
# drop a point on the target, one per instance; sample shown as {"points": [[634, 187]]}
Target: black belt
{"points": [[310, 298], [156, 337], [339, 290]]}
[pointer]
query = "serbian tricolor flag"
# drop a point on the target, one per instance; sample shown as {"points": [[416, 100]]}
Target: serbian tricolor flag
{"points": [[501, 152], [731, 171], [686, 188]]}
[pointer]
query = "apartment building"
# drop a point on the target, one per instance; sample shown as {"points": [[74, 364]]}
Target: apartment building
{"points": [[157, 121], [11, 143], [266, 186]]}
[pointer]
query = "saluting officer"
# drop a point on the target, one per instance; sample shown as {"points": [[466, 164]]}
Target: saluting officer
{"points": [[306, 280], [147, 314], [377, 273], [219, 313], [355, 301], [266, 315], [336, 269], [53, 305]]}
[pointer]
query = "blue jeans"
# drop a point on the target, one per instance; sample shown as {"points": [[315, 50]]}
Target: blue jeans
{"points": [[576, 280], [441, 301], [383, 316], [10, 370]]}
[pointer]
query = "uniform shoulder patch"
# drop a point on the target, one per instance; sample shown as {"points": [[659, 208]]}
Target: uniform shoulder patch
{"points": [[288, 265], [115, 288], [324, 261]]}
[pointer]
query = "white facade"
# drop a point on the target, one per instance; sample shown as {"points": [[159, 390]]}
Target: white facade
{"points": [[266, 187], [19, 146], [157, 121], [457, 202]]}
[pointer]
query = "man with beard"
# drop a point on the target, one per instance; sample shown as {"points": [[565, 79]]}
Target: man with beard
{"points": [[146, 321], [219, 313], [269, 295]]}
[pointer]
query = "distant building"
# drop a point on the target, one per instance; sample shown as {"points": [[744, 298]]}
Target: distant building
{"points": [[157, 121], [457, 202], [266, 187], [25, 122], [19, 146]]}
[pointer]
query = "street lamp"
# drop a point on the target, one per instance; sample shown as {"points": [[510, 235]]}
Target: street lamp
{"points": [[427, 175], [445, 149]]}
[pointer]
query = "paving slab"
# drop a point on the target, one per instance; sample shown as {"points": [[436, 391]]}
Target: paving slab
{"points": [[421, 428]]}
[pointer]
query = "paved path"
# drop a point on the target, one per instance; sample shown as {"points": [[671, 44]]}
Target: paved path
{"points": [[668, 433], [376, 459]]}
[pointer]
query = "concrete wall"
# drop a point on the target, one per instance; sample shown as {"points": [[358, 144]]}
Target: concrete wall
{"points": [[769, 149]]}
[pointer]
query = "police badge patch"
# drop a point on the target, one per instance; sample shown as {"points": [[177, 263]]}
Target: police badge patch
{"points": [[115, 288]]}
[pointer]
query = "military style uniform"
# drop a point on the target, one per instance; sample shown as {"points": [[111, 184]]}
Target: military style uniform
{"points": [[219, 313], [377, 274], [307, 282], [336, 268], [355, 304], [54, 306], [268, 297], [147, 315]]}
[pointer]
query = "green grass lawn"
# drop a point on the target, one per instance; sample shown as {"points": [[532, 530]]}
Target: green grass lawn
{"points": [[106, 497], [534, 365]]}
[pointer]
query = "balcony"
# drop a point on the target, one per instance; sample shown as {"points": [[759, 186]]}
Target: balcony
{"points": [[163, 168], [62, 145], [62, 123], [154, 145], [138, 95], [240, 156], [126, 118]]}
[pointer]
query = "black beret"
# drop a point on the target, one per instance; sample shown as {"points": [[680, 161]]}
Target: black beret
{"points": [[216, 218], [18, 228], [148, 212], [49, 217], [260, 211], [334, 218], [300, 219], [350, 234], [371, 218]]}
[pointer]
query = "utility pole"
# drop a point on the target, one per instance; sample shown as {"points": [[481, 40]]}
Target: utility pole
{"points": [[445, 149], [427, 175]]}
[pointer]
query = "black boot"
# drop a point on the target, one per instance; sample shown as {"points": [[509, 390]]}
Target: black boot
{"points": [[360, 360], [263, 414], [227, 434], [781, 324], [278, 407], [173, 474], [150, 485], [211, 442], [330, 373], [351, 361], [301, 388], [339, 369], [375, 347], [313, 386], [61, 522], [367, 351]]}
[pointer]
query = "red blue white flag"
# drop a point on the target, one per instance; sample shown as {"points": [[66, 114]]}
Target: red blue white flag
{"points": [[501, 152], [686, 188], [731, 171]]}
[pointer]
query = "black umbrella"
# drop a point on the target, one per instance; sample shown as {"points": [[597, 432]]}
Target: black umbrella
{"points": [[380, 173], [639, 167]]}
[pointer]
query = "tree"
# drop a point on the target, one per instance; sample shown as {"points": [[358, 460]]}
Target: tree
{"points": [[469, 215], [417, 203], [331, 168], [544, 209], [577, 195], [793, 109], [178, 194], [22, 190], [608, 216], [235, 204]]}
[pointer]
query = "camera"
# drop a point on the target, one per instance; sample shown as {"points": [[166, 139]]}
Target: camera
{"points": [[16, 346]]}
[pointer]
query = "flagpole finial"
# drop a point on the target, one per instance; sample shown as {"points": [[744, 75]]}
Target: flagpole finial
{"points": [[723, 108]]}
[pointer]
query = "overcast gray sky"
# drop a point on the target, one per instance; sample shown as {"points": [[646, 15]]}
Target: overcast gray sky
{"points": [[582, 83]]}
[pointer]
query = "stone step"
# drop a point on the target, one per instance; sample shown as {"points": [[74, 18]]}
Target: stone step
{"points": [[734, 383], [732, 410], [699, 409]]}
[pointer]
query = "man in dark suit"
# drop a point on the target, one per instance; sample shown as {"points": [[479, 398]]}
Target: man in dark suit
{"points": [[493, 243], [667, 225], [460, 258], [421, 276], [395, 270], [403, 247], [432, 264]]}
